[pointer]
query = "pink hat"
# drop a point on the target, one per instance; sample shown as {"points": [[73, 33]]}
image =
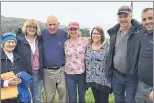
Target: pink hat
{"points": [[73, 25]]}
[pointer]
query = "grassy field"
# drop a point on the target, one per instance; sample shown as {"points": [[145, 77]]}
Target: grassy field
{"points": [[90, 98]]}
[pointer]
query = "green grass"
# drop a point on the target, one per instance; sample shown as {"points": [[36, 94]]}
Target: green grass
{"points": [[90, 98]]}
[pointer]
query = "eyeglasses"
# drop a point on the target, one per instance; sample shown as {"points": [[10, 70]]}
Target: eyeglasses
{"points": [[34, 27], [95, 33]]}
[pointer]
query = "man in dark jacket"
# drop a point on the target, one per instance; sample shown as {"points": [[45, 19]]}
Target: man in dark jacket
{"points": [[145, 65], [123, 56]]}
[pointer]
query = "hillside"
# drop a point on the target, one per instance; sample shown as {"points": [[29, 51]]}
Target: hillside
{"points": [[10, 24]]}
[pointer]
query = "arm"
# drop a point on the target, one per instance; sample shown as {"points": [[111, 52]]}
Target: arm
{"points": [[14, 81]]}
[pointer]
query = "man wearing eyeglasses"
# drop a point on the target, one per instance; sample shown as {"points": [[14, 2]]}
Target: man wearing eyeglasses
{"points": [[53, 40], [145, 66]]}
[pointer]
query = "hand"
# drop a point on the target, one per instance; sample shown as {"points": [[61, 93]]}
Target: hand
{"points": [[151, 96], [13, 81]]}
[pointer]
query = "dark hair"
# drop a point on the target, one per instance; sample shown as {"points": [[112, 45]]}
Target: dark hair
{"points": [[146, 9], [101, 31]]}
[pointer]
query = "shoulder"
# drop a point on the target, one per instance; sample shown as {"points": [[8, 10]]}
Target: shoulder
{"points": [[66, 42], [20, 38], [62, 31], [88, 46], [86, 40], [44, 30]]}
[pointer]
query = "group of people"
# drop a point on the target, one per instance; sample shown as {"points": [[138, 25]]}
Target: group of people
{"points": [[70, 64]]}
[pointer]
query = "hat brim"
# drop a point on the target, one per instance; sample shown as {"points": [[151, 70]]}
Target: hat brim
{"points": [[123, 12], [73, 27]]}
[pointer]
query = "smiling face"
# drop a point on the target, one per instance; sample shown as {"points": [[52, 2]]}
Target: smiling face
{"points": [[73, 32], [124, 20], [147, 20], [52, 24], [9, 45], [96, 36], [31, 30]]}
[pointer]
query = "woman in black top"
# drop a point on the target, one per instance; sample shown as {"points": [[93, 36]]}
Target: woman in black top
{"points": [[10, 61]]}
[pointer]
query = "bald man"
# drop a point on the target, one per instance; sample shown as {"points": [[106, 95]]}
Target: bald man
{"points": [[53, 40]]}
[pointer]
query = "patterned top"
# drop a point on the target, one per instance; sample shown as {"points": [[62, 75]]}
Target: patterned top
{"points": [[95, 65], [75, 55]]}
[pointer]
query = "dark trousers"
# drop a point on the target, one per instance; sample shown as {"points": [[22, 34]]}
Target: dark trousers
{"points": [[124, 88], [74, 83], [100, 96]]}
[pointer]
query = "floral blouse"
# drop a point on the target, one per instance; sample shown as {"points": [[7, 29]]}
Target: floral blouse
{"points": [[75, 55], [95, 65]]}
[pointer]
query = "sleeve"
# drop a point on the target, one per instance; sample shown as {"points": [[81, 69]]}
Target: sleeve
{"points": [[4, 83]]}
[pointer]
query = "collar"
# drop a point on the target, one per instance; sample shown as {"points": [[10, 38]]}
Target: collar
{"points": [[135, 25], [29, 40], [3, 55]]}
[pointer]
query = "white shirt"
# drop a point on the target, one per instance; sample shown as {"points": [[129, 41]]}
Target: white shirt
{"points": [[32, 44], [9, 55]]}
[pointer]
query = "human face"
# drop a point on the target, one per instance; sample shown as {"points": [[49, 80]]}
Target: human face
{"points": [[96, 36], [147, 20], [9, 45], [52, 26], [124, 20], [31, 30], [73, 32]]}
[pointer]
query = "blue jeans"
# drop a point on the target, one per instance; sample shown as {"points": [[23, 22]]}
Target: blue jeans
{"points": [[124, 88], [75, 82], [36, 87], [142, 95]]}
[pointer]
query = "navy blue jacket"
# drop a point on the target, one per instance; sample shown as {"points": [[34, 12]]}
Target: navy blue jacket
{"points": [[7, 66], [24, 50]]}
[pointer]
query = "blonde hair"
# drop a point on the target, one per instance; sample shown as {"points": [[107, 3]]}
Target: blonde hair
{"points": [[68, 35], [31, 22]]}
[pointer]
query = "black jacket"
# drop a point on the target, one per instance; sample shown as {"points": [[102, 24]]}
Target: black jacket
{"points": [[133, 46], [7, 66], [24, 50]]}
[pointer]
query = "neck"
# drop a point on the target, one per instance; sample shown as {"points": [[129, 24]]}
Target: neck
{"points": [[124, 30], [30, 37], [74, 38], [96, 43], [150, 31]]}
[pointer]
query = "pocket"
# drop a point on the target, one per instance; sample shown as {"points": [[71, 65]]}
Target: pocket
{"points": [[148, 89]]}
